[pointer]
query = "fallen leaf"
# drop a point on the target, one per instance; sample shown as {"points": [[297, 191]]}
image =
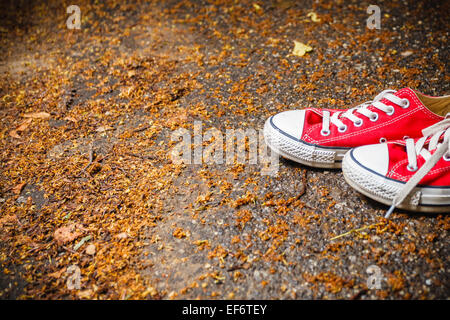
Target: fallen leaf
{"points": [[90, 249], [68, 118], [10, 219], [37, 115], [313, 17], [300, 49], [57, 274], [66, 234], [14, 134], [104, 128], [24, 125], [18, 188], [122, 235], [85, 294], [179, 233], [406, 53], [257, 7], [150, 291]]}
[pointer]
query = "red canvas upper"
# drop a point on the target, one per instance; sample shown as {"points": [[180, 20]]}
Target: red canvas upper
{"points": [[398, 162], [404, 122]]}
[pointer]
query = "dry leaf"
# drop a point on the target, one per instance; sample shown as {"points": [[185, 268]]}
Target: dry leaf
{"points": [[257, 7], [14, 134], [406, 53], [90, 249], [23, 126], [57, 274], [150, 291], [68, 118], [66, 234], [37, 115], [18, 189], [300, 49], [104, 128], [122, 235], [85, 294], [313, 17], [10, 219]]}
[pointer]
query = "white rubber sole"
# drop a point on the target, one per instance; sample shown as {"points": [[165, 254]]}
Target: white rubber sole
{"points": [[301, 151], [383, 189]]}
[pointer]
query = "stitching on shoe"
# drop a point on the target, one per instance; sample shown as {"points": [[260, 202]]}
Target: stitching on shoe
{"points": [[421, 105], [386, 123], [393, 174], [408, 93]]}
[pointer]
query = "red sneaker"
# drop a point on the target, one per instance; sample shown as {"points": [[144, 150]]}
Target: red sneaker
{"points": [[412, 174], [321, 137]]}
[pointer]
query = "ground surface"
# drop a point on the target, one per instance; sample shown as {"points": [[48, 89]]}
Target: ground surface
{"points": [[88, 185]]}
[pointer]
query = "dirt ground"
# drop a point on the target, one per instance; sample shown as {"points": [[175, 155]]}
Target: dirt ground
{"points": [[92, 206]]}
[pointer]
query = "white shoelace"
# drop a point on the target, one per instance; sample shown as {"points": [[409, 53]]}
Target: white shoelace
{"points": [[415, 149], [362, 109]]}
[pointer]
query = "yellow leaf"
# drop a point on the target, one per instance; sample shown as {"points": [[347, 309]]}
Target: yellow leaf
{"points": [[313, 17], [257, 7], [300, 49]]}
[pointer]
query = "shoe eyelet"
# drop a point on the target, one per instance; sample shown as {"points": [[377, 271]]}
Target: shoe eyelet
{"points": [[405, 137], [325, 132], [446, 156], [342, 129], [390, 113], [411, 169], [374, 117], [383, 140], [405, 103], [358, 123]]}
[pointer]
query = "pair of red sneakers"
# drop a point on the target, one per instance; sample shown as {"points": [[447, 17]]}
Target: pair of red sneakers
{"points": [[394, 149]]}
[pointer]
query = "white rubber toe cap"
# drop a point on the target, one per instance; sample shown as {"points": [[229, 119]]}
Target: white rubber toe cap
{"points": [[290, 122], [374, 157]]}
